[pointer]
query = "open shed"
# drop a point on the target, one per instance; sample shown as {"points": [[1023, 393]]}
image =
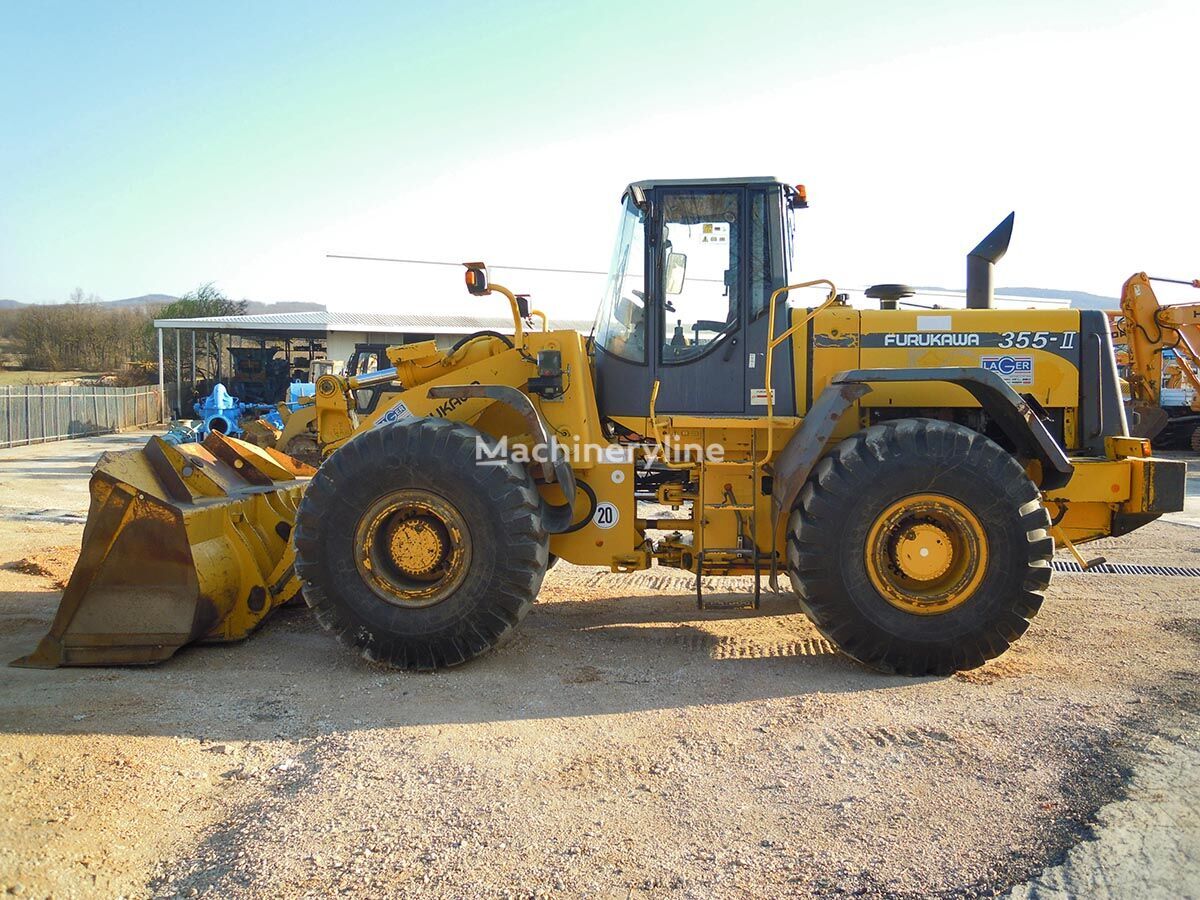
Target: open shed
{"points": [[303, 335]]}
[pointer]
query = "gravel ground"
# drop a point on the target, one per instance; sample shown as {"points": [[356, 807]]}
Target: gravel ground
{"points": [[622, 745]]}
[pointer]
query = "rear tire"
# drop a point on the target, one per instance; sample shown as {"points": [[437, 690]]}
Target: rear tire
{"points": [[920, 547], [412, 553], [1195, 442]]}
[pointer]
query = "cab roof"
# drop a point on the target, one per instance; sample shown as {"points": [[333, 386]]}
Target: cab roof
{"points": [[701, 182]]}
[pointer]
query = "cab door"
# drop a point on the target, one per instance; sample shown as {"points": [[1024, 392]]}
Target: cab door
{"points": [[699, 353]]}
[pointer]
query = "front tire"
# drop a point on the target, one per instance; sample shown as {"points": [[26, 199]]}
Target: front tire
{"points": [[415, 555], [920, 547]]}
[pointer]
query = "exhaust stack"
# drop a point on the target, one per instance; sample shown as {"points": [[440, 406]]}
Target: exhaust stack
{"points": [[981, 260]]}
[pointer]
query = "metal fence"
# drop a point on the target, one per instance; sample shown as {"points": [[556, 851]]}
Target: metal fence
{"points": [[34, 414]]}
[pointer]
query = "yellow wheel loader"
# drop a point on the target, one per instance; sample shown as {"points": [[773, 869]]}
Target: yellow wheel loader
{"points": [[908, 472]]}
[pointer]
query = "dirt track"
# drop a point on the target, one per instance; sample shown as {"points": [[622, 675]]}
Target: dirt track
{"points": [[621, 745]]}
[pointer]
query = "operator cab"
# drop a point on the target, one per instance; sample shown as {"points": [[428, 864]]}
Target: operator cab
{"points": [[367, 358], [693, 269]]}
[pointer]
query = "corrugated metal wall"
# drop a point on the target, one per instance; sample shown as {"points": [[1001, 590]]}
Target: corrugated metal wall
{"points": [[34, 414]]}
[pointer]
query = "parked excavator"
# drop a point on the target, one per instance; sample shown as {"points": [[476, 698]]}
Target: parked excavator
{"points": [[909, 472], [1163, 371]]}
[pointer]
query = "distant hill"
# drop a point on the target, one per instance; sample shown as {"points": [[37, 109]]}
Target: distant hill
{"points": [[252, 306], [1079, 299], [144, 300]]}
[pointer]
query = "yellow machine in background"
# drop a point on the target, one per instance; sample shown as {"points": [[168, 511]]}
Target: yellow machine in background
{"points": [[910, 472], [1164, 395]]}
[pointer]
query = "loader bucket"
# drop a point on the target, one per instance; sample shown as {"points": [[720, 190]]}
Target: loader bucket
{"points": [[182, 543], [1146, 420]]}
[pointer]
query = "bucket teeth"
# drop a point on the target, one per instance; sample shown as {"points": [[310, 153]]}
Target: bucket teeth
{"points": [[182, 543]]}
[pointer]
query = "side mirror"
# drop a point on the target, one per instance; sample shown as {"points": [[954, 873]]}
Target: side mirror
{"points": [[675, 271], [477, 279]]}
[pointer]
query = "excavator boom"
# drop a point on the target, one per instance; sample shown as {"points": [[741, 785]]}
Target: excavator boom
{"points": [[1149, 328]]}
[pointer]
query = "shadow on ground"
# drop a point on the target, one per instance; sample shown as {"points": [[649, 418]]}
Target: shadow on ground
{"points": [[291, 679]]}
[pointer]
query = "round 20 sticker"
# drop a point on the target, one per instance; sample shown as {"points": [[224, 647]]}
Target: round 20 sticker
{"points": [[606, 515]]}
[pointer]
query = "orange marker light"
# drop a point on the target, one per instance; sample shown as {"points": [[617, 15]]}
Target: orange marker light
{"points": [[476, 279], [798, 197]]}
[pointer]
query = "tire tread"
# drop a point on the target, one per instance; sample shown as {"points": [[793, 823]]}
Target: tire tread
{"points": [[398, 454], [814, 556]]}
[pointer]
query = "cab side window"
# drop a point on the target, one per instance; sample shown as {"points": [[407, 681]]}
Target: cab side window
{"points": [[699, 268], [760, 252]]}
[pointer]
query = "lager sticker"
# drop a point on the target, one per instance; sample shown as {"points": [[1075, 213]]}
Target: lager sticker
{"points": [[1013, 369], [397, 413]]}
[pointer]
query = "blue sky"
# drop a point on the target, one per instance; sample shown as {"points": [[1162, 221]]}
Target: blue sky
{"points": [[153, 146]]}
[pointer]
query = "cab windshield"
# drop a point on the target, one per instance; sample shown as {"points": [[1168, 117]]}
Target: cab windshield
{"points": [[621, 321]]}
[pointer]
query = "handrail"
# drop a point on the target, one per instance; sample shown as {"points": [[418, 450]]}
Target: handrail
{"points": [[518, 331], [773, 342], [542, 315], [658, 436]]}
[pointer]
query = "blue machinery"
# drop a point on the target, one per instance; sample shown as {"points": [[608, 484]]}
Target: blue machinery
{"points": [[220, 411]]}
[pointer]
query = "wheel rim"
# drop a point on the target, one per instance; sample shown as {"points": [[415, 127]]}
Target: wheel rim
{"points": [[926, 554], [412, 548]]}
